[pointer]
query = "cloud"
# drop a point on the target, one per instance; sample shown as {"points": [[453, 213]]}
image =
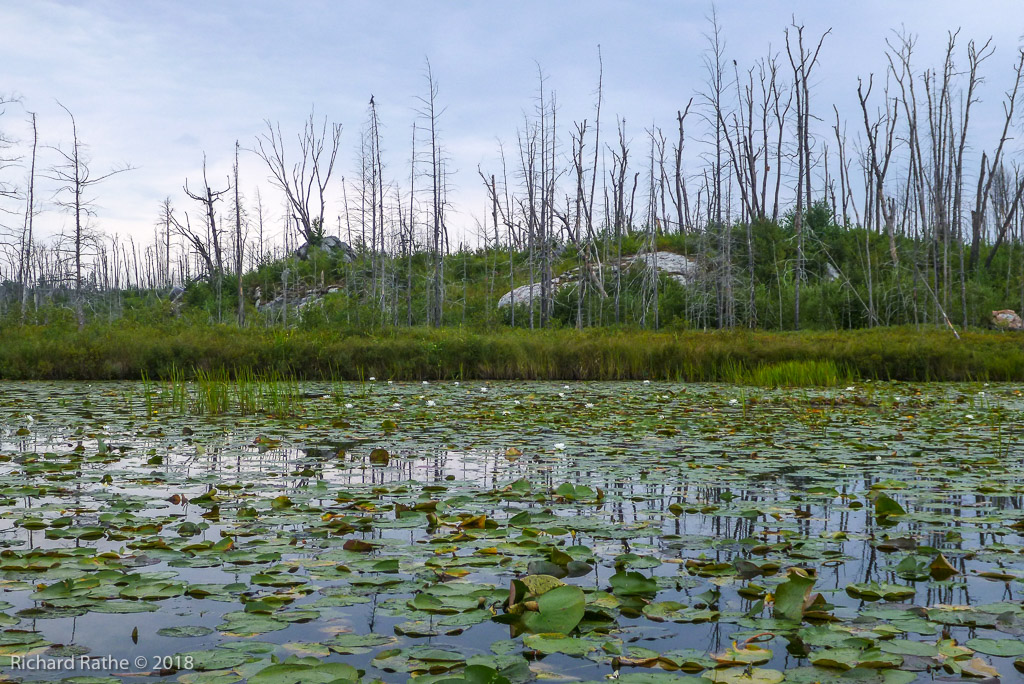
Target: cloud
{"points": [[158, 84]]}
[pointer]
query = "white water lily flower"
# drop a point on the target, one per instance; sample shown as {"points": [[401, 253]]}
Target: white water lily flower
{"points": [[981, 394], [562, 395], [647, 382], [456, 383], [395, 405], [517, 402], [970, 416], [565, 387], [326, 396], [348, 405], [425, 382], [589, 405], [733, 402], [560, 446], [850, 388], [504, 413], [30, 419], [878, 458], [372, 378], [431, 402], [389, 382], [483, 389]]}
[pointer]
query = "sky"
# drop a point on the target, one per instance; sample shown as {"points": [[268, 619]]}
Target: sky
{"points": [[157, 84]]}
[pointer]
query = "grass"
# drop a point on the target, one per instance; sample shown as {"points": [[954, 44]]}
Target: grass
{"points": [[799, 373], [260, 362], [213, 392]]}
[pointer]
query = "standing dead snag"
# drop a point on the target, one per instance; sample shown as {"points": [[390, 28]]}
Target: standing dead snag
{"points": [[304, 182], [215, 265], [715, 67], [239, 243], [6, 189], [802, 63], [76, 180], [208, 199], [438, 194], [985, 184], [25, 265], [879, 167]]}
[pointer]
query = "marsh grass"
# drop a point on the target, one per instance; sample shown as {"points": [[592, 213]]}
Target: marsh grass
{"points": [[200, 391], [196, 360], [809, 373]]}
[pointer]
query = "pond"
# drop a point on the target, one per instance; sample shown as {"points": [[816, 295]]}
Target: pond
{"points": [[212, 533]]}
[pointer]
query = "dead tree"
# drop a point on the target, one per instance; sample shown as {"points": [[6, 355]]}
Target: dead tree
{"points": [[677, 189], [7, 189], [27, 236], [802, 63], [985, 175], [76, 181], [164, 228], [304, 182], [714, 65], [197, 241], [880, 136], [438, 191], [208, 198], [239, 243], [1006, 208]]}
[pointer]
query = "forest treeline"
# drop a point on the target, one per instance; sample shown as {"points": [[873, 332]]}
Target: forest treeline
{"points": [[792, 214]]}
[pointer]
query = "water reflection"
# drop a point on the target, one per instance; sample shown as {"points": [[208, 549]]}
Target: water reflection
{"points": [[773, 483]]}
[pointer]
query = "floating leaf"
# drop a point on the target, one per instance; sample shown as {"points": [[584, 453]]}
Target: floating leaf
{"points": [[997, 647], [791, 595], [559, 610]]}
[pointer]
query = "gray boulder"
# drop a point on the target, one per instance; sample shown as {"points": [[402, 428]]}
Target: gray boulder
{"points": [[679, 267], [331, 245]]}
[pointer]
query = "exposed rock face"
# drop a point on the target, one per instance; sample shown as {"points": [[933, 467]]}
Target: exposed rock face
{"points": [[296, 300], [330, 244], [1007, 319], [678, 267], [524, 293]]}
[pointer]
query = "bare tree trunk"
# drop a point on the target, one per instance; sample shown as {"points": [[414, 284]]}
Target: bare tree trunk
{"points": [[438, 192], [239, 244], [982, 197], [803, 64], [304, 183], [26, 268]]}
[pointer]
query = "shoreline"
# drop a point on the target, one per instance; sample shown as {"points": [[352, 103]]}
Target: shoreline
{"points": [[122, 351]]}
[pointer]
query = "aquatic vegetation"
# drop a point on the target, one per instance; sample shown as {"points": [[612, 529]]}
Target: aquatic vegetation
{"points": [[643, 531], [178, 353], [812, 373]]}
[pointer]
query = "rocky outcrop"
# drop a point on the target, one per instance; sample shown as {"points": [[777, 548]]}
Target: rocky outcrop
{"points": [[330, 244], [678, 267], [1007, 319], [296, 300]]}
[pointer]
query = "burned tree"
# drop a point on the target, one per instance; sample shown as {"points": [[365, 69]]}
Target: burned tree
{"points": [[304, 182], [76, 181]]}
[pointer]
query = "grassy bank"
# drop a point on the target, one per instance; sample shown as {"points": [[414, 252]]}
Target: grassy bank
{"points": [[126, 351]]}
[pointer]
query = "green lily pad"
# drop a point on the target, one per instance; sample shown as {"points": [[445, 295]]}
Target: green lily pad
{"points": [[997, 647]]}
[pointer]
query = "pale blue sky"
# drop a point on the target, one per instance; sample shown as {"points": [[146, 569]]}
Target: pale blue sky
{"points": [[157, 83]]}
